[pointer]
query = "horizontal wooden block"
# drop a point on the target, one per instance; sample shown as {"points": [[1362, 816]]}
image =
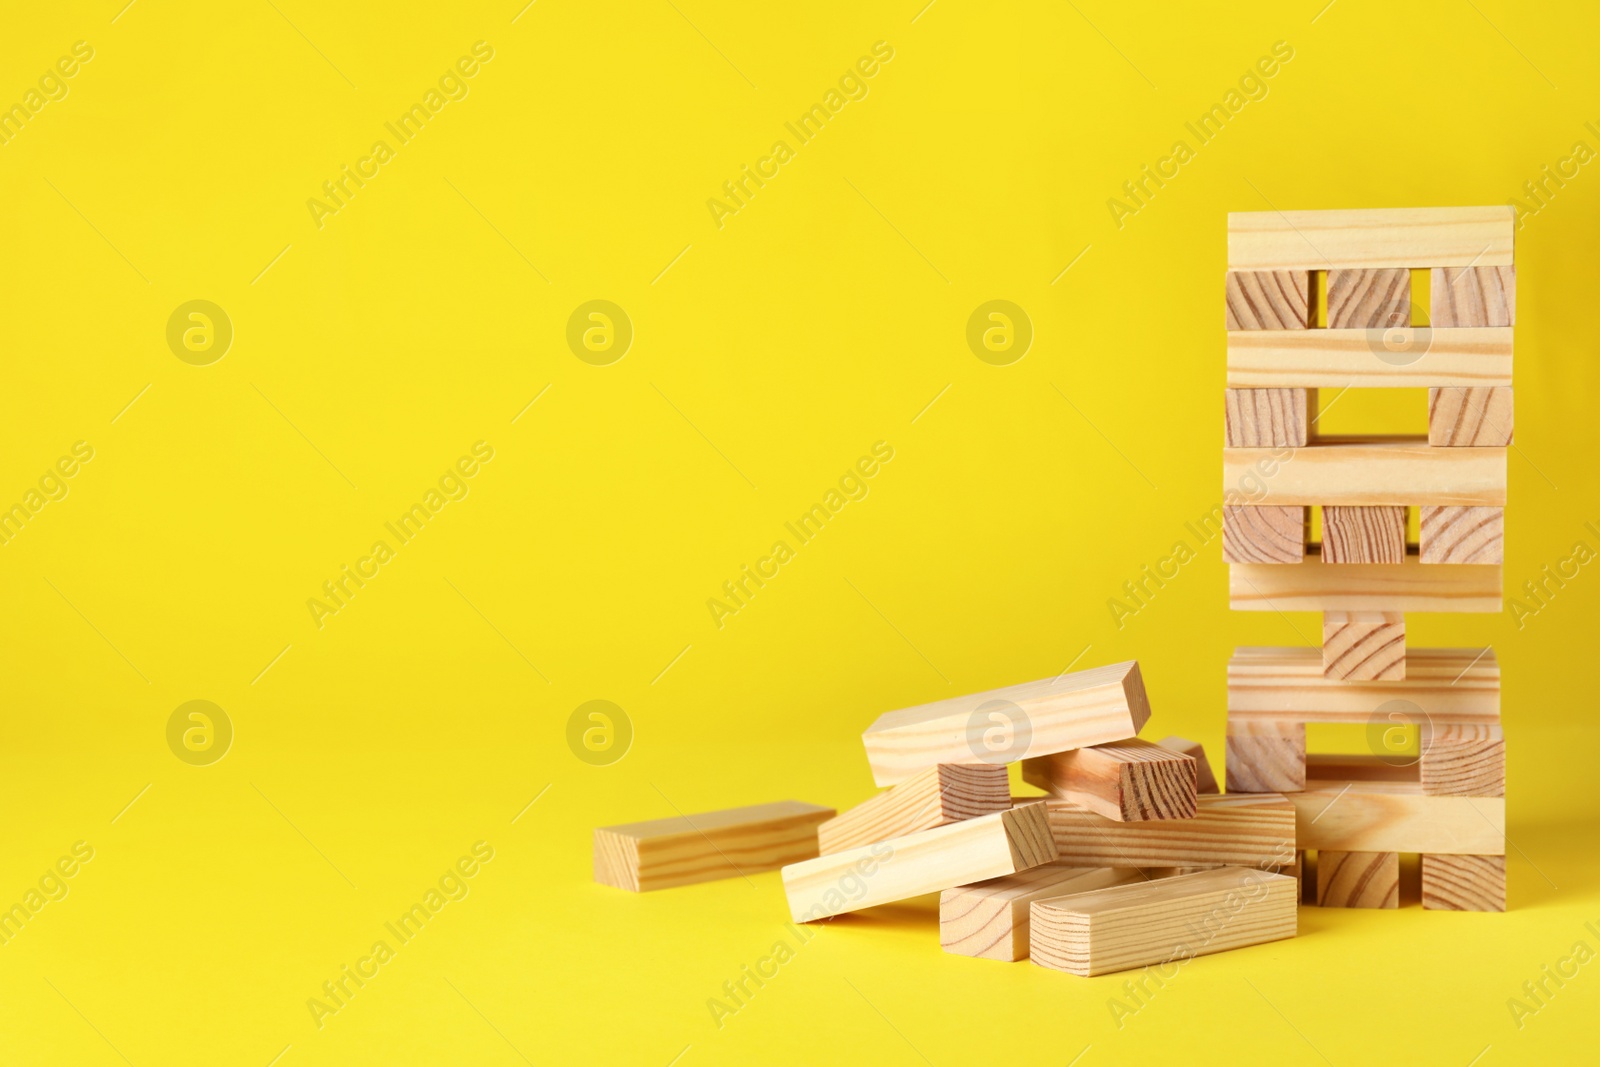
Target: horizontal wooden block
{"points": [[1352, 359], [1473, 296], [1371, 237], [1088, 707], [1130, 781], [989, 920], [1358, 879], [1369, 299], [1362, 767], [1399, 470], [1470, 418], [1267, 418], [1363, 534], [1408, 586], [1466, 760], [1270, 300], [1462, 535], [1464, 883], [1287, 684], [642, 856], [1163, 921], [1205, 780], [927, 862], [1271, 534], [1364, 646], [1240, 830], [1396, 817], [1266, 757], [944, 793]]}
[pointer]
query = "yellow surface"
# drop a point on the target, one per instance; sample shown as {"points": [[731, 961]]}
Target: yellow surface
{"points": [[769, 353]]}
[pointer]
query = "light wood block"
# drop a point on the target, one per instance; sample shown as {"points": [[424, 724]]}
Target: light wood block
{"points": [[1089, 707], [1464, 883], [1448, 685], [989, 920], [1205, 781], [1266, 757], [660, 853], [1270, 300], [1473, 296], [1130, 781], [1369, 299], [1351, 359], [1395, 470], [1371, 237], [1237, 830], [1470, 418], [1363, 534], [1409, 586], [1396, 817], [1364, 646], [1267, 418], [1271, 534], [927, 862], [1168, 920], [1358, 879], [1462, 535], [1463, 760], [945, 793]]}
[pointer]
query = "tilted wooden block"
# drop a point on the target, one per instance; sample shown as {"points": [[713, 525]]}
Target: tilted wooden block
{"points": [[1463, 535], [1270, 300], [1369, 299], [1446, 685], [1470, 418], [1354, 359], [1363, 534], [1267, 418], [1239, 830], [1403, 471], [1088, 707], [1130, 781], [1409, 586], [1164, 921], [1463, 760], [927, 862], [1205, 781], [1463, 883], [989, 919], [1358, 879], [1371, 237], [1266, 757], [642, 856], [1364, 646], [1272, 534], [945, 793], [1396, 817], [1473, 296]]}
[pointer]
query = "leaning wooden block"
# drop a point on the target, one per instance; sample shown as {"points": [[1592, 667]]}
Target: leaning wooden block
{"points": [[1358, 879], [1236, 830], [1205, 781], [1396, 817], [1409, 586], [1363, 534], [957, 854], [1270, 300], [1371, 237], [1353, 359], [1369, 299], [1130, 781], [1473, 296], [1470, 418], [1399, 470], [1087, 707], [1287, 685], [1267, 418], [1272, 534], [1463, 535], [1266, 757], [1463, 760], [989, 919], [946, 793], [1463, 883], [1364, 646], [642, 856], [1164, 921]]}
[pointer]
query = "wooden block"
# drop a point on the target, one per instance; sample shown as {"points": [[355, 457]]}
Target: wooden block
{"points": [[989, 920], [1205, 781], [1396, 817], [1463, 883], [1130, 781], [1475, 418], [926, 862], [660, 853], [1363, 534], [1369, 299], [1237, 830], [1447, 685], [1270, 300], [1361, 767], [1394, 470], [1350, 359], [1358, 879], [1473, 296], [1266, 418], [1462, 535], [1364, 646], [1271, 534], [1087, 707], [1164, 921], [1371, 237], [1266, 757], [1463, 760], [945, 793], [1409, 586]]}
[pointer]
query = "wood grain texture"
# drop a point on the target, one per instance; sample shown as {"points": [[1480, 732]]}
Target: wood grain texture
{"points": [[944, 793], [1363, 534], [1409, 586], [1362, 767], [1449, 685], [1451, 534], [1466, 760], [989, 920], [1473, 296], [1371, 237], [1162, 921], [1088, 707], [1470, 418], [1269, 300], [1348, 359], [1463, 883], [1369, 299], [662, 853], [1396, 817], [1364, 646], [1267, 418], [1130, 781], [1265, 756], [1240, 830], [1358, 879], [1272, 534], [1205, 780], [1395, 470]]}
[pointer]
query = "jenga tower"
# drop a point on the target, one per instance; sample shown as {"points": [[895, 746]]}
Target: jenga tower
{"points": [[1360, 812]]}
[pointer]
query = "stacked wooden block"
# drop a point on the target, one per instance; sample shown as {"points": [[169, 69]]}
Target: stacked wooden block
{"points": [[1448, 805]]}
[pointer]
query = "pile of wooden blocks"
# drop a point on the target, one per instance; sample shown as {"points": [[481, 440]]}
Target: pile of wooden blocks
{"points": [[1447, 803]]}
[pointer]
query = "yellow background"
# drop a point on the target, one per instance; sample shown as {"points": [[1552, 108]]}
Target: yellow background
{"points": [[768, 355]]}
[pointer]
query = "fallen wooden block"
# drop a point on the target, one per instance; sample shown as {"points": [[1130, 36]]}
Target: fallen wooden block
{"points": [[1363, 534], [1396, 817], [1371, 237], [926, 862], [1237, 830], [1470, 418], [1399, 470], [1463, 883], [1358, 879], [1173, 919], [1369, 299], [661, 853], [1265, 756], [1348, 359], [1271, 534], [1463, 535], [1267, 418], [1473, 296], [1087, 707], [945, 793], [1409, 586], [1364, 646], [1130, 781], [1269, 300], [989, 920], [1467, 760], [1205, 781], [1287, 685]]}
